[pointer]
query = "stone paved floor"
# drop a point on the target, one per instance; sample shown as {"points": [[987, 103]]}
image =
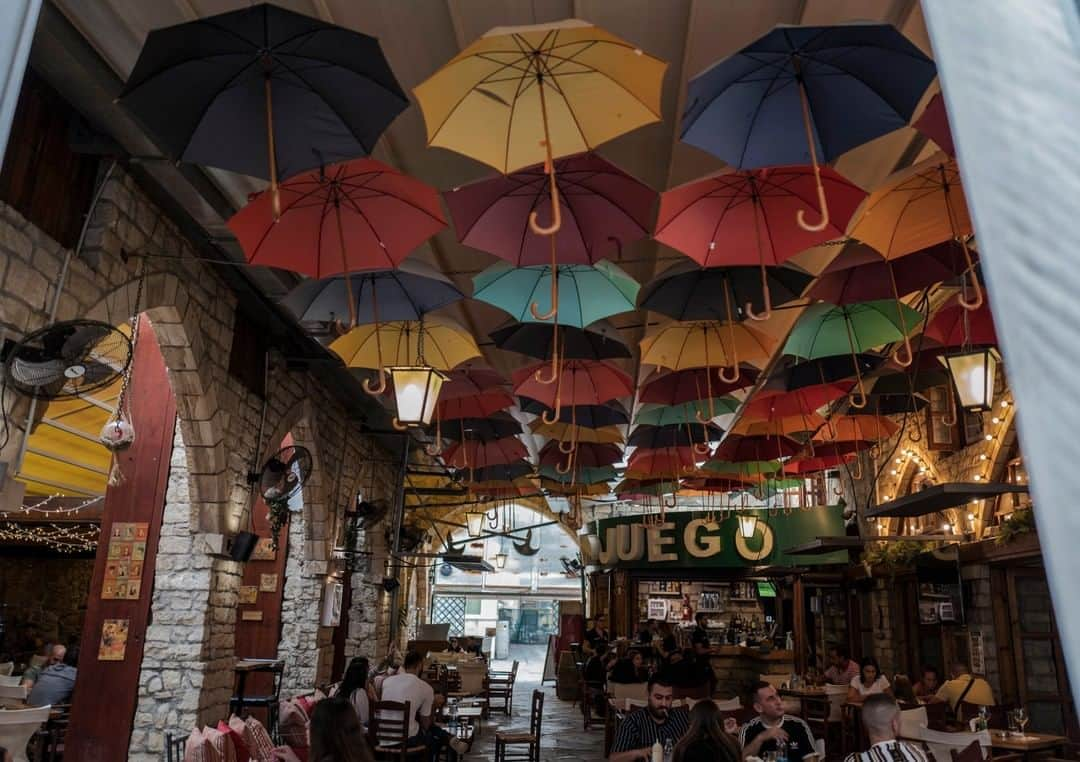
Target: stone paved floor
{"points": [[563, 737]]}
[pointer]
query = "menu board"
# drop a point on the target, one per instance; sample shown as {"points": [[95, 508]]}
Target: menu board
{"points": [[124, 568]]}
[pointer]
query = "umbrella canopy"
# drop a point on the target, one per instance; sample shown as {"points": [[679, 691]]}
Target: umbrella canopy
{"points": [[955, 326], [586, 294], [688, 292], [812, 465], [569, 432], [505, 472], [582, 382], [473, 406], [469, 382], [631, 487], [587, 454], [862, 274], [680, 346], [690, 385], [603, 208], [687, 412], [597, 342], [586, 416], [407, 293], [574, 488], [738, 448], [476, 453], [747, 469], [714, 484], [521, 487], [661, 462], [918, 380], [779, 424], [934, 124], [495, 426], [446, 344], [767, 404], [675, 435], [263, 91], [857, 81], [827, 370], [896, 404], [856, 428], [580, 474]]}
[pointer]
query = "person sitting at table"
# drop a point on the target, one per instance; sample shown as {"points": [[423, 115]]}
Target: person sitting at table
{"points": [[706, 740], [903, 690], [657, 721], [53, 654], [841, 668], [407, 686], [336, 734], [772, 728], [965, 687], [595, 671], [354, 688], [927, 688], [56, 682], [868, 682], [629, 669], [881, 718]]}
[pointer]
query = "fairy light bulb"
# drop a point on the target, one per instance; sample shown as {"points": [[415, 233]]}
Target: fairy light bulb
{"points": [[984, 456], [989, 437], [995, 420], [1004, 404]]}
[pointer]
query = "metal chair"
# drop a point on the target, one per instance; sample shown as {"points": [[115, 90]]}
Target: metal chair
{"points": [[174, 745], [530, 740], [239, 702], [388, 731]]}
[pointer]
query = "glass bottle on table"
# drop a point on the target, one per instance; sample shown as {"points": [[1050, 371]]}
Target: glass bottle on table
{"points": [[669, 750], [1022, 719]]}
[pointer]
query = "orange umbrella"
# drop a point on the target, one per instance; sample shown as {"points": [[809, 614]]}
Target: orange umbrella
{"points": [[784, 425], [856, 428]]}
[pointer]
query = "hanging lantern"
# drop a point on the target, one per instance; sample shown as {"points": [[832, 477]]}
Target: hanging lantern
{"points": [[500, 560], [973, 375], [416, 390], [748, 525], [474, 523]]}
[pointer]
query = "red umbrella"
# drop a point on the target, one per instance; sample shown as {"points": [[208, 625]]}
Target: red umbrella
{"points": [[581, 382], [811, 465], [588, 454], [468, 382], [475, 453], [685, 386], [934, 124], [738, 448], [661, 462], [769, 404], [749, 217], [861, 274], [955, 326], [348, 217], [473, 406]]}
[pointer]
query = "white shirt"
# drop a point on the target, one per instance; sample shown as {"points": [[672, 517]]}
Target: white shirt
{"points": [[409, 687], [878, 686], [889, 751], [359, 701]]}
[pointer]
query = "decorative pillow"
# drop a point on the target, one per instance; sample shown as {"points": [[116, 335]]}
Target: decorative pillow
{"points": [[221, 747], [306, 704], [198, 749], [236, 735], [292, 724], [258, 741]]}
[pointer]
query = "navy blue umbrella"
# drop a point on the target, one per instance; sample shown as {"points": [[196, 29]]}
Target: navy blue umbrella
{"points": [[674, 435], [686, 291], [589, 416], [600, 341], [803, 94]]}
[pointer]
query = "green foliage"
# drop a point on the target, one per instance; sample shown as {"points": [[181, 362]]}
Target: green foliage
{"points": [[892, 556], [279, 517], [1016, 524]]}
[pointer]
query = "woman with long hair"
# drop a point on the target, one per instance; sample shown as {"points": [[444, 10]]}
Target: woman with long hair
{"points": [[336, 734], [354, 687], [706, 740], [868, 682]]}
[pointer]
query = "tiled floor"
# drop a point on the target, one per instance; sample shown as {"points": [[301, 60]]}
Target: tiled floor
{"points": [[563, 737]]}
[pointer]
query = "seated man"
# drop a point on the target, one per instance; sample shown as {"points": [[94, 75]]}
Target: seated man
{"points": [[881, 717], [927, 687], [772, 730], [407, 686], [965, 687], [56, 682], [842, 669], [657, 721], [54, 654]]}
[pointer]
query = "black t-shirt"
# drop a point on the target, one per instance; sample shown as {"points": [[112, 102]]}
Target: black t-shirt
{"points": [[800, 739], [594, 670]]}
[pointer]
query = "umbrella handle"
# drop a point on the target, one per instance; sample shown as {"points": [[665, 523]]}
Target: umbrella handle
{"points": [[435, 448], [712, 409], [916, 435], [398, 425], [534, 308], [539, 375], [734, 359], [725, 379], [377, 389], [975, 285], [569, 463], [903, 363], [823, 206], [549, 167], [861, 401], [856, 473], [558, 402], [275, 194], [674, 501], [952, 412], [765, 295]]}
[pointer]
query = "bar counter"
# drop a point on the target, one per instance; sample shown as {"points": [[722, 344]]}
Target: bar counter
{"points": [[737, 667]]}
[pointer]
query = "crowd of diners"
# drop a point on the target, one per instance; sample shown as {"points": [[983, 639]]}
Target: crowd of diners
{"points": [[49, 675]]}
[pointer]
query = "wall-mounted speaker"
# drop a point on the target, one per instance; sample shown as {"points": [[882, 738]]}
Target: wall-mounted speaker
{"points": [[243, 545]]}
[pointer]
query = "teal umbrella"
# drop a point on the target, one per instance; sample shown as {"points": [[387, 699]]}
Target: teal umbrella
{"points": [[743, 468], [581, 474], [585, 294], [687, 412], [826, 330]]}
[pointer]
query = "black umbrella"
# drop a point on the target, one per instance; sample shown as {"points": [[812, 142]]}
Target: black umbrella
{"points": [[504, 472], [263, 91], [597, 342], [689, 292], [826, 370], [895, 404], [589, 416], [675, 435], [917, 381], [497, 426]]}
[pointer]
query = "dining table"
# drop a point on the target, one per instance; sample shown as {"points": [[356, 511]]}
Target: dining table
{"points": [[1027, 743]]}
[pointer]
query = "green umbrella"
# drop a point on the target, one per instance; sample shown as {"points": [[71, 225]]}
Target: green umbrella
{"points": [[772, 487], [652, 414], [743, 468], [580, 475], [586, 294], [825, 330]]}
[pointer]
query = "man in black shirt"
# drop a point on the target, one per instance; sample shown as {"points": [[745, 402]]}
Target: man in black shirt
{"points": [[701, 630], [772, 730], [657, 721]]}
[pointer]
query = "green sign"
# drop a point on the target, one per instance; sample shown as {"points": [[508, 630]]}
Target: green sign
{"points": [[690, 539]]}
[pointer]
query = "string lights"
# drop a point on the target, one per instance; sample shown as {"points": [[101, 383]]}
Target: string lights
{"points": [[41, 507], [76, 538]]}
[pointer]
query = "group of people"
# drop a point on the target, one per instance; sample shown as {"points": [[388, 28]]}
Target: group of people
{"points": [[50, 678], [339, 724], [703, 734]]}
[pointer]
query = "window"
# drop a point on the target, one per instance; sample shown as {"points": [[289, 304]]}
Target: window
{"points": [[472, 607]]}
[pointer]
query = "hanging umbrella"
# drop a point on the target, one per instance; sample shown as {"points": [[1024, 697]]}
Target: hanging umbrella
{"points": [[520, 487], [675, 435], [862, 274], [633, 487], [602, 209], [473, 406], [683, 386], [570, 434], [580, 474], [495, 426], [263, 91], [806, 94], [896, 404], [477, 453], [469, 382], [738, 447], [504, 472], [856, 428], [743, 469], [827, 370], [955, 326], [809, 399], [934, 124], [408, 292], [813, 465], [785, 425], [572, 489], [585, 416], [714, 484], [582, 382], [600, 341], [687, 412], [688, 292], [672, 461], [587, 454], [825, 330], [916, 208], [748, 218]]}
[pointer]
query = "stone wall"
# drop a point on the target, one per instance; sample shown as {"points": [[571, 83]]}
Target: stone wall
{"points": [[43, 598]]}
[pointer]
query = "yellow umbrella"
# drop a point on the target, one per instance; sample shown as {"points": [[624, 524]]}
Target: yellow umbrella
{"points": [[445, 345], [783, 425], [916, 208], [569, 432], [680, 346]]}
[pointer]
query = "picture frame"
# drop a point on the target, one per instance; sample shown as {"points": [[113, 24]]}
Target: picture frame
{"points": [[940, 435], [267, 583]]}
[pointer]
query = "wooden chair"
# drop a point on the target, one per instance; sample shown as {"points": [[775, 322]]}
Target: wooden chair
{"points": [[49, 741], [593, 698], [530, 740], [937, 715], [7, 668], [943, 744], [501, 689], [388, 731], [10, 681], [819, 716]]}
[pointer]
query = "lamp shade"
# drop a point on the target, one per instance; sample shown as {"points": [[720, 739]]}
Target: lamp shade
{"points": [[747, 525], [416, 390], [500, 560], [474, 523], [973, 375]]}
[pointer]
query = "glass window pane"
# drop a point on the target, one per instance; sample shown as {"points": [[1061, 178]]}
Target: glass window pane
{"points": [[1033, 601], [1040, 674]]}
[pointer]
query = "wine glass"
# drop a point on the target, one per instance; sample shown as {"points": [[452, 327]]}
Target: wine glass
{"points": [[1022, 719]]}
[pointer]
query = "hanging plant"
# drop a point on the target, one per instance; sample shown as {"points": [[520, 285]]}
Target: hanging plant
{"points": [[278, 513], [1016, 524], [890, 557]]}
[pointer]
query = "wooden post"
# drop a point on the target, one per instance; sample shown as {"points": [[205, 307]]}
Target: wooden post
{"points": [[106, 692], [798, 624]]}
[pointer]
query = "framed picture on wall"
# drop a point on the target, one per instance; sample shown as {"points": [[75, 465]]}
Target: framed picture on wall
{"points": [[267, 583], [940, 434]]}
